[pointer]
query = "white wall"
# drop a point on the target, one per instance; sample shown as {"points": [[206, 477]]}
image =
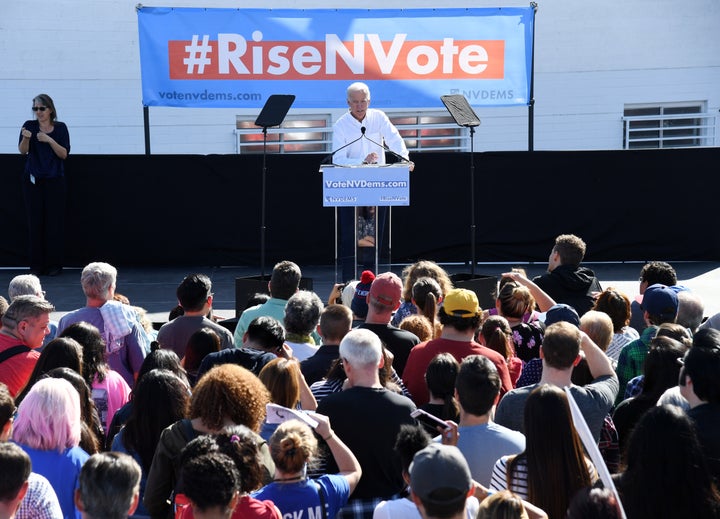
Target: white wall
{"points": [[590, 60]]}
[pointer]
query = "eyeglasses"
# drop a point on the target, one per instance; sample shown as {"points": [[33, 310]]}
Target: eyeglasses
{"points": [[41, 108]]}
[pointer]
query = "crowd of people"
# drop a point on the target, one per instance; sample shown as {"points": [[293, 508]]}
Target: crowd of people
{"points": [[404, 400]]}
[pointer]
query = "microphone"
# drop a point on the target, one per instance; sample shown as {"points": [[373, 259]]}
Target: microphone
{"points": [[328, 159], [391, 152]]}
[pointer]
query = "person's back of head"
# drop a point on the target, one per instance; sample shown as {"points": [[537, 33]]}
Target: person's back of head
{"points": [[617, 305], [496, 334], [3, 306], [410, 439], [229, 392], [599, 327], [257, 298], [160, 398], [691, 310], [384, 295], [25, 285], [282, 377], [7, 410], [162, 359], [675, 331], [419, 325], [594, 503], [515, 300], [554, 452], [359, 301], [109, 486], [661, 368], [658, 272], [424, 268], [96, 279], [284, 280], [440, 481], [440, 377], [193, 292], [16, 467], [60, 352], [292, 446], [49, 418], [335, 323], [302, 312], [561, 345], [570, 248], [460, 311], [503, 504], [660, 302], [94, 359], [200, 344], [362, 349], [211, 482], [427, 291], [266, 333], [663, 454], [478, 385], [701, 365]]}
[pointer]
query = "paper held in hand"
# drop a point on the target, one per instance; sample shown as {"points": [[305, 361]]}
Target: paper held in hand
{"points": [[279, 414]]}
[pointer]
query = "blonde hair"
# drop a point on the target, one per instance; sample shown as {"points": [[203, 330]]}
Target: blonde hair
{"points": [[292, 445], [503, 504]]}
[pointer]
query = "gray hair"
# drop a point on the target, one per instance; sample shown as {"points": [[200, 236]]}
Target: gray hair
{"points": [[25, 307], [302, 312], [97, 278], [24, 285], [690, 310], [361, 348], [108, 484], [358, 87]]}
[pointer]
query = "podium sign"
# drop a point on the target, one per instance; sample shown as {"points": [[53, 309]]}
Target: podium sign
{"points": [[369, 185]]}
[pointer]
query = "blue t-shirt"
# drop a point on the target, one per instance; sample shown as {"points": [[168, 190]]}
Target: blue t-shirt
{"points": [[62, 469], [301, 499]]}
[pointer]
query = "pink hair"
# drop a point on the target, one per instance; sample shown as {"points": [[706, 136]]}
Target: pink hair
{"points": [[49, 416]]}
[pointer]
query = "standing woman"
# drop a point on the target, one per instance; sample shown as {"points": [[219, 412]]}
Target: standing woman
{"points": [[46, 143]]}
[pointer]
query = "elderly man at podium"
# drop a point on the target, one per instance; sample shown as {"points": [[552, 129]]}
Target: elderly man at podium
{"points": [[362, 136]]}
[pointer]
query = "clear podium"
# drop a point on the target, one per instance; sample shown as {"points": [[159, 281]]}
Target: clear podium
{"points": [[370, 185]]}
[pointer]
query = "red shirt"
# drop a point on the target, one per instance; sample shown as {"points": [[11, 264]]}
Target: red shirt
{"points": [[247, 508], [423, 353], [15, 371]]}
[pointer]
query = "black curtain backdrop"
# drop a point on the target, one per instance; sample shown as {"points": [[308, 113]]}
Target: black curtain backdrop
{"points": [[164, 210]]}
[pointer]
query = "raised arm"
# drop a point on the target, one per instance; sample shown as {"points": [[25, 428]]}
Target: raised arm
{"points": [[347, 463], [543, 300], [598, 363]]}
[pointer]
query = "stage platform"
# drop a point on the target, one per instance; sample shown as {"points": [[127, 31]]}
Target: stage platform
{"points": [[154, 288]]}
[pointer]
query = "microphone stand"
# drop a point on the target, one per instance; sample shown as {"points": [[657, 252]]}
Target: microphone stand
{"points": [[463, 114]]}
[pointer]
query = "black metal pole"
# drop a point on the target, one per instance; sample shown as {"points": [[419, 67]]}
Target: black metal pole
{"points": [[472, 201], [146, 128], [262, 210]]}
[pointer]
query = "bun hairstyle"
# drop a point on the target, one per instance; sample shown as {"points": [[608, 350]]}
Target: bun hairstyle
{"points": [[292, 446]]}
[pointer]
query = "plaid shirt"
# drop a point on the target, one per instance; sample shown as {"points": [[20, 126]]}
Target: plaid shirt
{"points": [[632, 358]]}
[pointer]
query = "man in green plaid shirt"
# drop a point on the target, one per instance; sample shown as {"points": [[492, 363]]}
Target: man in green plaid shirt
{"points": [[659, 305]]}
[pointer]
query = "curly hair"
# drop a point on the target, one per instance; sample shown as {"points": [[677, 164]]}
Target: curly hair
{"points": [[230, 392], [424, 268]]}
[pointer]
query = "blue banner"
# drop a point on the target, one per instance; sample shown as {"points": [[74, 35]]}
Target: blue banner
{"points": [[214, 58]]}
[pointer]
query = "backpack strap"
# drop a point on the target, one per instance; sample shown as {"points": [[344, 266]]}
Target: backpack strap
{"points": [[15, 350], [321, 495]]}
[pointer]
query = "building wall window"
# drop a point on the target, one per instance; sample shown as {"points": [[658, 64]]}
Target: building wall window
{"points": [[312, 133], [677, 125]]}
